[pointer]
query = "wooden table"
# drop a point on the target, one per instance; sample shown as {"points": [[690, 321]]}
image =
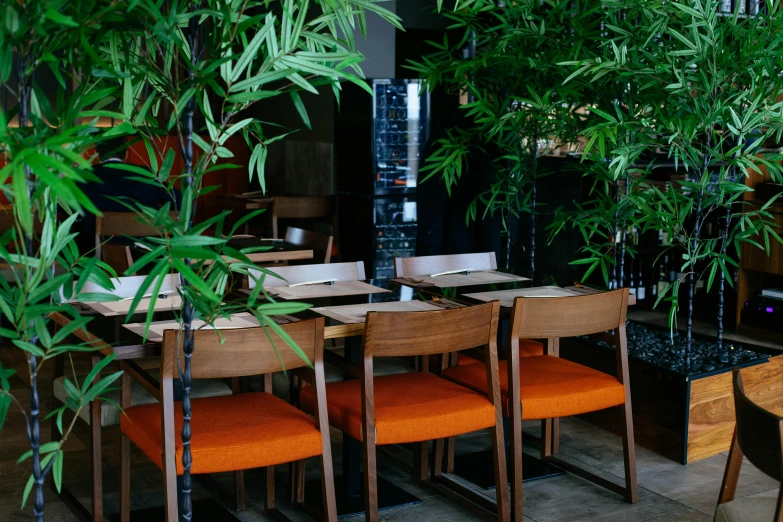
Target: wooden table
{"points": [[540, 279]]}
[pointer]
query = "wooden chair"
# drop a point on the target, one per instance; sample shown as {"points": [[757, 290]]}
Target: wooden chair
{"points": [[759, 437], [418, 407], [120, 224], [424, 265], [119, 257], [128, 286], [320, 244], [271, 431], [546, 387], [103, 414], [288, 275], [300, 207]]}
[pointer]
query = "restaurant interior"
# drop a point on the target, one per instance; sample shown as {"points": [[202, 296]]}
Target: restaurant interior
{"points": [[391, 260]]}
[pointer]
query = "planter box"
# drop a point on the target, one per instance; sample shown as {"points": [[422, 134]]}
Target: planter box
{"points": [[685, 417]]}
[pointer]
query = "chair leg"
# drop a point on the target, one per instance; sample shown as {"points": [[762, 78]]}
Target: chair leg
{"points": [[370, 483], [125, 479], [437, 458], [555, 436], [96, 464], [269, 498], [300, 469], [450, 444], [420, 464], [731, 475], [515, 461], [629, 455], [170, 491], [327, 487], [240, 499], [546, 439], [501, 476], [169, 467]]}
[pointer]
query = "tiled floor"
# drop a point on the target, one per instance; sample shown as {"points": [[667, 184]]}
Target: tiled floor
{"points": [[668, 492]]}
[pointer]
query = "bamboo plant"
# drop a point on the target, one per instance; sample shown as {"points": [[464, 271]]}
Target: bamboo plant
{"points": [[212, 61], [719, 75], [505, 63], [44, 158]]}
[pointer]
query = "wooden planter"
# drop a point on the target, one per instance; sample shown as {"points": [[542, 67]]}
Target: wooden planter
{"points": [[683, 418]]}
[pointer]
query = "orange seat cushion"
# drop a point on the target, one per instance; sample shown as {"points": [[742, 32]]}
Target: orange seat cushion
{"points": [[230, 433], [409, 407], [549, 386], [527, 348]]}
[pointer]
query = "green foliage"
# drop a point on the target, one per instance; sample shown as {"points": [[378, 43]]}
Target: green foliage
{"points": [[518, 105], [701, 87], [252, 51], [131, 61]]}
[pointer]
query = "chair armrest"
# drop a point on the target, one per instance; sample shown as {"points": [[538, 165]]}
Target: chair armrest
{"points": [[339, 361], [140, 375]]}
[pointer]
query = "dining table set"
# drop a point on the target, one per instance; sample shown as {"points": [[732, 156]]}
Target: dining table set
{"points": [[341, 298]]}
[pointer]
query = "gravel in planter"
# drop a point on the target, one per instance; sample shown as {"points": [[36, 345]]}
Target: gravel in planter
{"points": [[658, 346]]}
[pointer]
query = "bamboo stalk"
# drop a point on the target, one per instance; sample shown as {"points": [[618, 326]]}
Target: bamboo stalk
{"points": [[187, 312], [34, 425]]}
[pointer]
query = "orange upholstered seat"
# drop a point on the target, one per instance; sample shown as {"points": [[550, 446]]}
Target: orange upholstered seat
{"points": [[549, 386], [410, 407], [234, 432], [527, 348]]}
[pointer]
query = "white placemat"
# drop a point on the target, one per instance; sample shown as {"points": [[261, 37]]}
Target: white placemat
{"points": [[337, 288], [480, 277], [356, 314], [112, 308], [244, 320], [506, 297]]}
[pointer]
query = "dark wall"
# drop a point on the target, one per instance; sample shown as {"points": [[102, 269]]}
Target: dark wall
{"points": [[560, 187]]}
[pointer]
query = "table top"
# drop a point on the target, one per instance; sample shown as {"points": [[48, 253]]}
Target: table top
{"points": [[539, 280], [336, 329]]}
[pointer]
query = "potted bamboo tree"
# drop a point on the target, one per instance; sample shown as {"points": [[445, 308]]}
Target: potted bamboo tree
{"points": [[709, 102], [43, 157]]}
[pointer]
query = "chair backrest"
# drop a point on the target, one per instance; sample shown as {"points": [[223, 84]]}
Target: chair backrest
{"points": [[558, 317], [288, 275], [398, 334], [320, 244], [7, 221], [759, 432], [129, 286], [424, 265], [245, 351], [119, 257], [305, 207], [124, 224]]}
